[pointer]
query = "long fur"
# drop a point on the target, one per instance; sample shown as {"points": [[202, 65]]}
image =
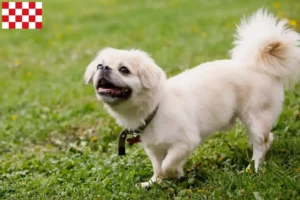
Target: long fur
{"points": [[268, 45], [207, 98]]}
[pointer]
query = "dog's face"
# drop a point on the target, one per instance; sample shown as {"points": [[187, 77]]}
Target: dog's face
{"points": [[119, 75]]}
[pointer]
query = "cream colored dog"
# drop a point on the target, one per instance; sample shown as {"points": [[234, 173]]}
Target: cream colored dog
{"points": [[200, 101]]}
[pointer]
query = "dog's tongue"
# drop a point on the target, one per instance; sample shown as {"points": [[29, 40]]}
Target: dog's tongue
{"points": [[108, 90]]}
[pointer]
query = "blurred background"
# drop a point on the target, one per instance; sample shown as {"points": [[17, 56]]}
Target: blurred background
{"points": [[56, 140]]}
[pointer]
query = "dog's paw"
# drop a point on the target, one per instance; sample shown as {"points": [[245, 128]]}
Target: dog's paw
{"points": [[252, 167], [154, 179], [144, 184]]}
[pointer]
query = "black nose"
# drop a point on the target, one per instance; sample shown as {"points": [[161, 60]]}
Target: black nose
{"points": [[105, 68]]}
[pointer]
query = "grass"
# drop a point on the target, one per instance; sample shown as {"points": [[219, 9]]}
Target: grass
{"points": [[57, 141]]}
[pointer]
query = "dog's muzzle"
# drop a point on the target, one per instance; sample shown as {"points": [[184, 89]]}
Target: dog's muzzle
{"points": [[105, 87]]}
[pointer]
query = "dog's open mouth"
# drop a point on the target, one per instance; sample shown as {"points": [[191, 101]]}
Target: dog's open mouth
{"points": [[106, 88]]}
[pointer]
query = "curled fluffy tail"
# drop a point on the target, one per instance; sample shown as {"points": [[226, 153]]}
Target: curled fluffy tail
{"points": [[268, 45]]}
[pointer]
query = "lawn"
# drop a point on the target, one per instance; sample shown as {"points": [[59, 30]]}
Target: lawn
{"points": [[57, 141]]}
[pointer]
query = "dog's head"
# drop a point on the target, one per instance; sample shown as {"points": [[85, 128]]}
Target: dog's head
{"points": [[121, 75]]}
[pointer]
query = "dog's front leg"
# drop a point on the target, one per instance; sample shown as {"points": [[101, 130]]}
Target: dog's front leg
{"points": [[156, 156], [172, 165]]}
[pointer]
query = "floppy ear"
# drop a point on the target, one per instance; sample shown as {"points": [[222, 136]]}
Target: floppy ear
{"points": [[89, 72], [149, 72], [149, 76]]}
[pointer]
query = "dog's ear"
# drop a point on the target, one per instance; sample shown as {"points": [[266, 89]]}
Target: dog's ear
{"points": [[149, 72], [149, 77], [89, 72]]}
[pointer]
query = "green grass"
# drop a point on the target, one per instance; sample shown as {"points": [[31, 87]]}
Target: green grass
{"points": [[57, 141]]}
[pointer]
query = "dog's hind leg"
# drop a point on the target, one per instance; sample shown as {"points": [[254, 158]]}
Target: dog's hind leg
{"points": [[260, 147], [260, 137]]}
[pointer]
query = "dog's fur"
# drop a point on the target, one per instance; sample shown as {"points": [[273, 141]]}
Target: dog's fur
{"points": [[208, 98]]}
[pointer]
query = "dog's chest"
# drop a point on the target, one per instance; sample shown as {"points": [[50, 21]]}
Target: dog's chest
{"points": [[156, 137]]}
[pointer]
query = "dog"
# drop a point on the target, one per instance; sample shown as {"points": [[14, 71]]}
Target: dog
{"points": [[188, 108]]}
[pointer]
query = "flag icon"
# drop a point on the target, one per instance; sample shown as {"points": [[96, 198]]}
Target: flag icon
{"points": [[22, 15]]}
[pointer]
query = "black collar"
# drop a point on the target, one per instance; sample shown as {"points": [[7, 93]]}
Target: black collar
{"points": [[136, 132]]}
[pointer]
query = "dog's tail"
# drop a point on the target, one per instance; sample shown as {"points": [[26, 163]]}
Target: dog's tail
{"points": [[266, 44]]}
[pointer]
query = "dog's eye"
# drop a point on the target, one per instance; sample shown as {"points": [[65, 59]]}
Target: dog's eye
{"points": [[124, 70], [99, 66]]}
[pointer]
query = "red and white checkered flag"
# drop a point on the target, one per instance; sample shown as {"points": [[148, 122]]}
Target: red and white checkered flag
{"points": [[22, 15]]}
